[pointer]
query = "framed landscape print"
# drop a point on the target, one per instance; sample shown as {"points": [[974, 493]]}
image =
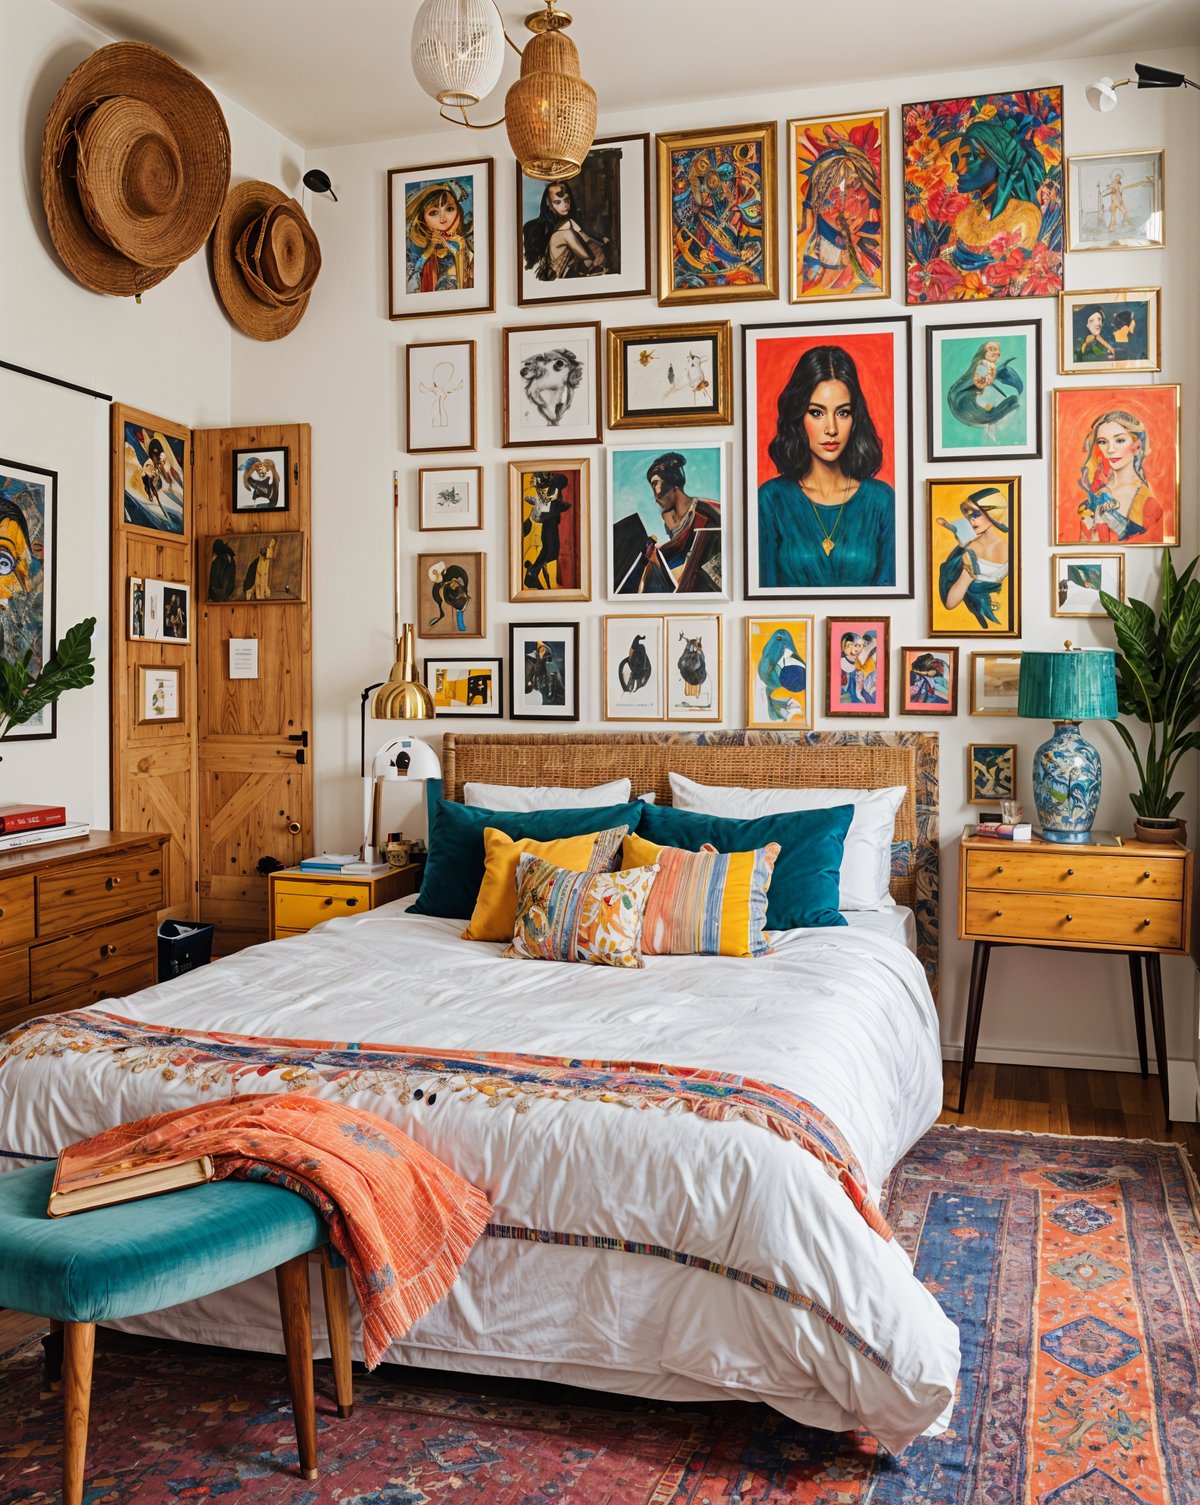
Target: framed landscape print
{"points": [[667, 512], [260, 480], [441, 253], [550, 530], [451, 595], [780, 683], [543, 669], [983, 197], [29, 555], [1116, 465], [694, 664], [929, 681], [155, 463], [840, 205], [991, 772], [1076, 581], [716, 214], [995, 681], [634, 672], [160, 696], [587, 236], [1119, 329], [466, 686], [552, 384], [857, 653], [256, 567], [983, 390], [450, 500], [1116, 201], [160, 611], [975, 558], [669, 375], [833, 518], [439, 397]]}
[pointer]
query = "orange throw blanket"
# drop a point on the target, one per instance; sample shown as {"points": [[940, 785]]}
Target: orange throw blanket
{"points": [[403, 1222]]}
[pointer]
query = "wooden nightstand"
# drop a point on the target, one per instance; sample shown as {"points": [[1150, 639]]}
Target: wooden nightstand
{"points": [[301, 900], [1134, 899]]}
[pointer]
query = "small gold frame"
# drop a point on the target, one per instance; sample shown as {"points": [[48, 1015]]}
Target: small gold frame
{"points": [[977, 664], [1084, 558], [720, 332], [989, 799]]}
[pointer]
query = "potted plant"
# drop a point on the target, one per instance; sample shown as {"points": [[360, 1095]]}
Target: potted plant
{"points": [[1158, 682], [71, 667]]}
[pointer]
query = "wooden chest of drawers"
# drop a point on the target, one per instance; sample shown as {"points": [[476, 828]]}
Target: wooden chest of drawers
{"points": [[301, 900], [78, 922]]}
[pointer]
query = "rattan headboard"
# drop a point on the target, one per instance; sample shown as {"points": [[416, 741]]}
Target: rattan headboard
{"points": [[764, 760]]}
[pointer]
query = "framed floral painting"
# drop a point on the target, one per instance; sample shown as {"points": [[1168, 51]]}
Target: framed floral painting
{"points": [[983, 390], [440, 240], [974, 541], [550, 530], [780, 678], [929, 681], [1116, 465], [840, 205], [856, 666], [450, 500], [634, 671]]}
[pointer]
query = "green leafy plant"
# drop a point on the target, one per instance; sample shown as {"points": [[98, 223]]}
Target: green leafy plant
{"points": [[1158, 682], [23, 694]]}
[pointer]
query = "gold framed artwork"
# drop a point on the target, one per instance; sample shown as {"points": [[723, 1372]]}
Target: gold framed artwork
{"points": [[1076, 581], [1116, 465], [1115, 201], [995, 681], [549, 530], [840, 205], [634, 672], [929, 681], [717, 231], [160, 694], [780, 679], [693, 652], [974, 542], [991, 772], [670, 375], [451, 595], [1115, 329]]}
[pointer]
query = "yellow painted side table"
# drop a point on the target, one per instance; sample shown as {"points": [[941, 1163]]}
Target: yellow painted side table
{"points": [[300, 900]]}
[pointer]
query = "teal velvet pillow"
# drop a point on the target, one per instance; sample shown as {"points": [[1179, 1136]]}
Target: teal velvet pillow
{"points": [[454, 869], [804, 886]]}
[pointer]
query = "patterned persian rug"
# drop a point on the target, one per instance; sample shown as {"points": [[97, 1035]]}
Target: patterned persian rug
{"points": [[1072, 1267]]}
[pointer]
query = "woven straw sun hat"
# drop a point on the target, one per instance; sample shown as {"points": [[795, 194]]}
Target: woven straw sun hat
{"points": [[135, 165], [265, 260]]}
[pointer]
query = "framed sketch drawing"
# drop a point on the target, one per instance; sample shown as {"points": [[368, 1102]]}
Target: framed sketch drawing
{"points": [[154, 461], [587, 236], [983, 390], [1076, 581], [261, 478], [974, 532], [451, 595], [667, 521], [466, 686], [634, 672], [840, 204], [439, 394], [995, 682], [694, 657], [543, 669], [257, 567], [991, 772], [670, 375], [1116, 465], [552, 384], [1116, 201], [1119, 329], [780, 682], [550, 530], [857, 654], [29, 559], [160, 695], [450, 500], [441, 254], [929, 681]]}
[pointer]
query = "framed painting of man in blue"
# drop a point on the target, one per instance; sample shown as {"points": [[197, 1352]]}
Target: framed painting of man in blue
{"points": [[667, 511], [440, 240], [828, 460], [983, 197], [28, 551], [840, 202], [780, 671], [716, 214], [975, 558], [983, 391]]}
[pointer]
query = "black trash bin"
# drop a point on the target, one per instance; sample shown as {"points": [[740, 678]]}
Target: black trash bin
{"points": [[182, 945]]}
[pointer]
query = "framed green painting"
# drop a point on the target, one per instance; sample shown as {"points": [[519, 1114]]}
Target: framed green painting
{"points": [[983, 391]]}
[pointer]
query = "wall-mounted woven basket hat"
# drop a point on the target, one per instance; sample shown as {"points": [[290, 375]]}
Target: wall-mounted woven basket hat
{"points": [[135, 166], [265, 260]]}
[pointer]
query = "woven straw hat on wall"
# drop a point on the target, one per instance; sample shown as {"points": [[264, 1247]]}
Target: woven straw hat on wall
{"points": [[265, 260], [135, 166]]}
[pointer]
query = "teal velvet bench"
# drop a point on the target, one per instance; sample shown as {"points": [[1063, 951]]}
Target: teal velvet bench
{"points": [[138, 1257]]}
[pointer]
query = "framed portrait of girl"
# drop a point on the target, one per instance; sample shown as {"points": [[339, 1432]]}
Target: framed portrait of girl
{"points": [[975, 558], [828, 459], [440, 240], [1116, 465], [840, 203]]}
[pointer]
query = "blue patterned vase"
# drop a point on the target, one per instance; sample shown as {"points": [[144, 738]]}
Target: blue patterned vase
{"points": [[1066, 784]]}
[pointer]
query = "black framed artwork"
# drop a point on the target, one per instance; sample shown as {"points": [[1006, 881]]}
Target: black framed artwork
{"points": [[261, 480], [29, 565], [543, 669]]}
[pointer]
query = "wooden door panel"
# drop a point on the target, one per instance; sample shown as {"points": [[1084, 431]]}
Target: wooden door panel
{"points": [[158, 793]]}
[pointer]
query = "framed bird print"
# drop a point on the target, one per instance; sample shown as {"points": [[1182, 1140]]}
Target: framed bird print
{"points": [[779, 671], [670, 375], [634, 681]]}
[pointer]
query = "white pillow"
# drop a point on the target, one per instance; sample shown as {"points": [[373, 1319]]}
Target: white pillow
{"points": [[545, 796], [867, 857]]}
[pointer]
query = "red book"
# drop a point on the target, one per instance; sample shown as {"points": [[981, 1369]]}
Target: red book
{"points": [[15, 818]]}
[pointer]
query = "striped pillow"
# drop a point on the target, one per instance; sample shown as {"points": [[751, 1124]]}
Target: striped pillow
{"points": [[579, 917], [704, 903]]}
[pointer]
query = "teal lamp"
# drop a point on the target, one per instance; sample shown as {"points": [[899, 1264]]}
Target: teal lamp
{"points": [[1067, 688]]}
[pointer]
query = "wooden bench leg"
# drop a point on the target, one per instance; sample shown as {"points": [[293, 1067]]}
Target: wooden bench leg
{"points": [[337, 1319], [292, 1280], [79, 1346]]}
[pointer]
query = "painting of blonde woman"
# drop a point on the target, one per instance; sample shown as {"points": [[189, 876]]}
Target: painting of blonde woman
{"points": [[1116, 465], [975, 558]]}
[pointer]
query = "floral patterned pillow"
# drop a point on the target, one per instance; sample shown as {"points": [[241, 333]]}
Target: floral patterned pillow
{"points": [[579, 917]]}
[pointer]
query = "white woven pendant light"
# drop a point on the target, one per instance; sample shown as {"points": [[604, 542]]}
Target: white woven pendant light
{"points": [[457, 50]]}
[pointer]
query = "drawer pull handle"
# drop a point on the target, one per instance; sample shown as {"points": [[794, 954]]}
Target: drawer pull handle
{"points": [[1145, 922], [1068, 917], [999, 912], [327, 901], [1070, 872], [111, 883], [999, 869], [108, 949], [1146, 874], [1, 914], [350, 903]]}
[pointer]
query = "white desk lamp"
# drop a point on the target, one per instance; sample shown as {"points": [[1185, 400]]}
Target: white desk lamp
{"points": [[401, 758]]}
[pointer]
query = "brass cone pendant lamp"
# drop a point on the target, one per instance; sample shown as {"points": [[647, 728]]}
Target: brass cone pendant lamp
{"points": [[550, 112], [402, 696]]}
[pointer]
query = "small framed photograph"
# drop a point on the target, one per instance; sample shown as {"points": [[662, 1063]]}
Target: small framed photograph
{"points": [[974, 542], [670, 375], [840, 205], [440, 397], [780, 657], [1119, 329], [552, 384], [995, 681], [160, 695], [856, 666], [991, 772], [1115, 201], [466, 686], [983, 390], [587, 236], [634, 673], [929, 681], [440, 240], [160, 611], [451, 595], [450, 500], [550, 530], [254, 567], [1077, 580], [260, 480], [543, 669], [1116, 465], [667, 514], [695, 661]]}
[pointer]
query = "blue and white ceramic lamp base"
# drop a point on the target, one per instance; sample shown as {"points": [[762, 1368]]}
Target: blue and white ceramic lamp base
{"points": [[1066, 785]]}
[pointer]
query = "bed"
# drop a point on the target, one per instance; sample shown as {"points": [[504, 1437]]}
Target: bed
{"points": [[639, 1243]]}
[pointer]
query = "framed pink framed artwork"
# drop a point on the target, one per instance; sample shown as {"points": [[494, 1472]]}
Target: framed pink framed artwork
{"points": [[856, 666]]}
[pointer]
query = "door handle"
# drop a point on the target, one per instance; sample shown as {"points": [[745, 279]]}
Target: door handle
{"points": [[301, 737], [300, 756], [294, 827]]}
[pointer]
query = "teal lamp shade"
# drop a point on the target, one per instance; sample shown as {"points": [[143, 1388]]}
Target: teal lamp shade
{"points": [[1067, 688]]}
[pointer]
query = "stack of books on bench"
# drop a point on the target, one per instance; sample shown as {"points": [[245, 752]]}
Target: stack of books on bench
{"points": [[31, 825]]}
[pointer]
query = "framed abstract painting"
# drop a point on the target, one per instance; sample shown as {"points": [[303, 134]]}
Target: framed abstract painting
{"points": [[451, 595], [929, 681], [1116, 465], [670, 375], [975, 558], [29, 557], [694, 658], [550, 530], [466, 686], [551, 385], [840, 203], [667, 521], [260, 480], [983, 197], [1076, 581], [995, 683], [1116, 201], [1119, 329], [856, 666], [441, 254], [780, 678], [156, 462], [543, 671], [991, 772], [983, 391], [634, 672]]}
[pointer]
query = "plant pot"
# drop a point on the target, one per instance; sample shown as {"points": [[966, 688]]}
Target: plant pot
{"points": [[1146, 828]]}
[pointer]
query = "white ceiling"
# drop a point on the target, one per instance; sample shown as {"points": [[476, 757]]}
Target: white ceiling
{"points": [[333, 72]]}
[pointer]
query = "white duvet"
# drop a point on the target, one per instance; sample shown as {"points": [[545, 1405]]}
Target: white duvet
{"points": [[840, 1017]]}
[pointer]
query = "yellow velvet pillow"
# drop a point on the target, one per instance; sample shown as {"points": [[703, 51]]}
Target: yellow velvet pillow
{"points": [[705, 903], [495, 911]]}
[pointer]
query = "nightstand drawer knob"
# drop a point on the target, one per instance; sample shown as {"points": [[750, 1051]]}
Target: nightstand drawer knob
{"points": [[999, 869], [350, 903], [1145, 922], [112, 883], [999, 912], [1146, 874], [108, 949], [1068, 917], [1070, 872]]}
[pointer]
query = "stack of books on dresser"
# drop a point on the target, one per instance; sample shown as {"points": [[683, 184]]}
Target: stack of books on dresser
{"points": [[33, 825], [328, 862]]}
